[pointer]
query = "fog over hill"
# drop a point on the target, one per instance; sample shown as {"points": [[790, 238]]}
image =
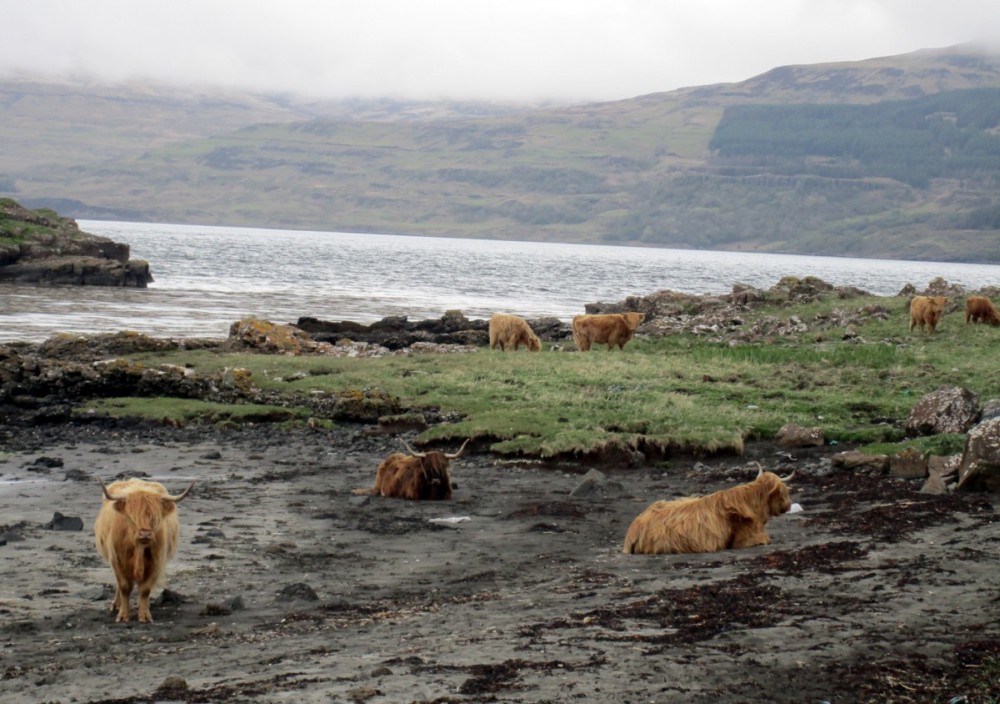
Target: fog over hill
{"points": [[890, 157]]}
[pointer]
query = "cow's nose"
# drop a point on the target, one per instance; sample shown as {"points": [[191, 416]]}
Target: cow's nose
{"points": [[145, 536]]}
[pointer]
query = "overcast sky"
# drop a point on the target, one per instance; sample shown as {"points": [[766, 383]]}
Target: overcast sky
{"points": [[483, 49]]}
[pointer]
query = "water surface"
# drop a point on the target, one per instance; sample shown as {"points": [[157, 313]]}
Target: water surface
{"points": [[209, 277]]}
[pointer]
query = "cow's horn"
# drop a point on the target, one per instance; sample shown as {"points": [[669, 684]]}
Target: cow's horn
{"points": [[788, 478], [760, 469], [180, 497], [411, 450], [455, 456], [107, 496]]}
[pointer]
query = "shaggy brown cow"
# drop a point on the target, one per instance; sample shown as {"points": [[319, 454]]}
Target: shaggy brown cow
{"points": [[511, 331], [136, 533], [730, 518], [421, 476], [926, 310], [980, 309], [609, 328]]}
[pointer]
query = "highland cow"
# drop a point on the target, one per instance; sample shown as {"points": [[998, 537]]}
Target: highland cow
{"points": [[136, 533], [510, 331], [927, 310], [729, 518], [419, 476], [609, 328], [980, 309]]}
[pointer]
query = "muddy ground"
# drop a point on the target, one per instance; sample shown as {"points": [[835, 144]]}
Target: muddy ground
{"points": [[288, 588]]}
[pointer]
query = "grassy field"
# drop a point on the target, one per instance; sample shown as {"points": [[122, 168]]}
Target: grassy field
{"points": [[681, 392]]}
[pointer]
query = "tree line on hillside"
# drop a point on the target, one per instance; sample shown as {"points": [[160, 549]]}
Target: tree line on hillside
{"points": [[947, 135]]}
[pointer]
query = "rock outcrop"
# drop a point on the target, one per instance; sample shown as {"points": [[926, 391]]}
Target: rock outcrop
{"points": [[40, 247], [399, 332]]}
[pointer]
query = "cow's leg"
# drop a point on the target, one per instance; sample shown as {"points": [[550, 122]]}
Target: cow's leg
{"points": [[750, 536], [145, 616], [121, 599]]}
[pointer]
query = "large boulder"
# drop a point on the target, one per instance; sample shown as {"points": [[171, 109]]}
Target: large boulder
{"points": [[948, 410], [980, 467], [272, 338]]}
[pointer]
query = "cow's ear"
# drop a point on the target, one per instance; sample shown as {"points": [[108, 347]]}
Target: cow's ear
{"points": [[120, 505], [168, 506]]}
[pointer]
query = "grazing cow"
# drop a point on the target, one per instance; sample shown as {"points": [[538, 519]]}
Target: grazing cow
{"points": [[926, 310], [610, 328], [511, 331], [729, 518], [136, 533], [980, 309], [420, 476]]}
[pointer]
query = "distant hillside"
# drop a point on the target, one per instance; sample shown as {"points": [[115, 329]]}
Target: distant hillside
{"points": [[891, 157]]}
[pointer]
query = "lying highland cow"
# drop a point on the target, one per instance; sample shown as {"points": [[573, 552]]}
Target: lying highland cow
{"points": [[927, 310], [980, 309], [730, 518], [420, 476], [609, 328], [136, 533], [509, 331]]}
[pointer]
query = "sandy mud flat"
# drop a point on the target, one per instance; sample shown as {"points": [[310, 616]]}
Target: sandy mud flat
{"points": [[288, 588]]}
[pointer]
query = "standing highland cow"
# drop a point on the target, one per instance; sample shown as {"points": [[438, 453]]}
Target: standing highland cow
{"points": [[980, 309], [609, 328], [510, 331], [136, 532], [927, 310]]}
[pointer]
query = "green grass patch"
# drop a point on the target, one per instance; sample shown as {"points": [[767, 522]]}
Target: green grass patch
{"points": [[183, 411], [943, 445], [681, 391]]}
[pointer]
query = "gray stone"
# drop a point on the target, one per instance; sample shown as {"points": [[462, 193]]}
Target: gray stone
{"points": [[980, 467], [61, 522], [792, 435], [855, 461], [299, 591], [951, 409], [908, 464], [592, 483]]}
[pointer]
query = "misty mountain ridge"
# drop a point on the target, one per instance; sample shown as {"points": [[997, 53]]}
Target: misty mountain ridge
{"points": [[890, 157]]}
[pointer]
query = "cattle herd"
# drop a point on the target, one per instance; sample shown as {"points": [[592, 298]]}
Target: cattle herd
{"points": [[926, 311], [510, 331], [137, 530]]}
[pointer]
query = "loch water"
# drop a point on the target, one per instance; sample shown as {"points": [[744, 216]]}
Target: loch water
{"points": [[208, 277]]}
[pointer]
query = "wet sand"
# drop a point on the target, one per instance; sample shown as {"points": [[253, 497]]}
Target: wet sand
{"points": [[289, 588]]}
